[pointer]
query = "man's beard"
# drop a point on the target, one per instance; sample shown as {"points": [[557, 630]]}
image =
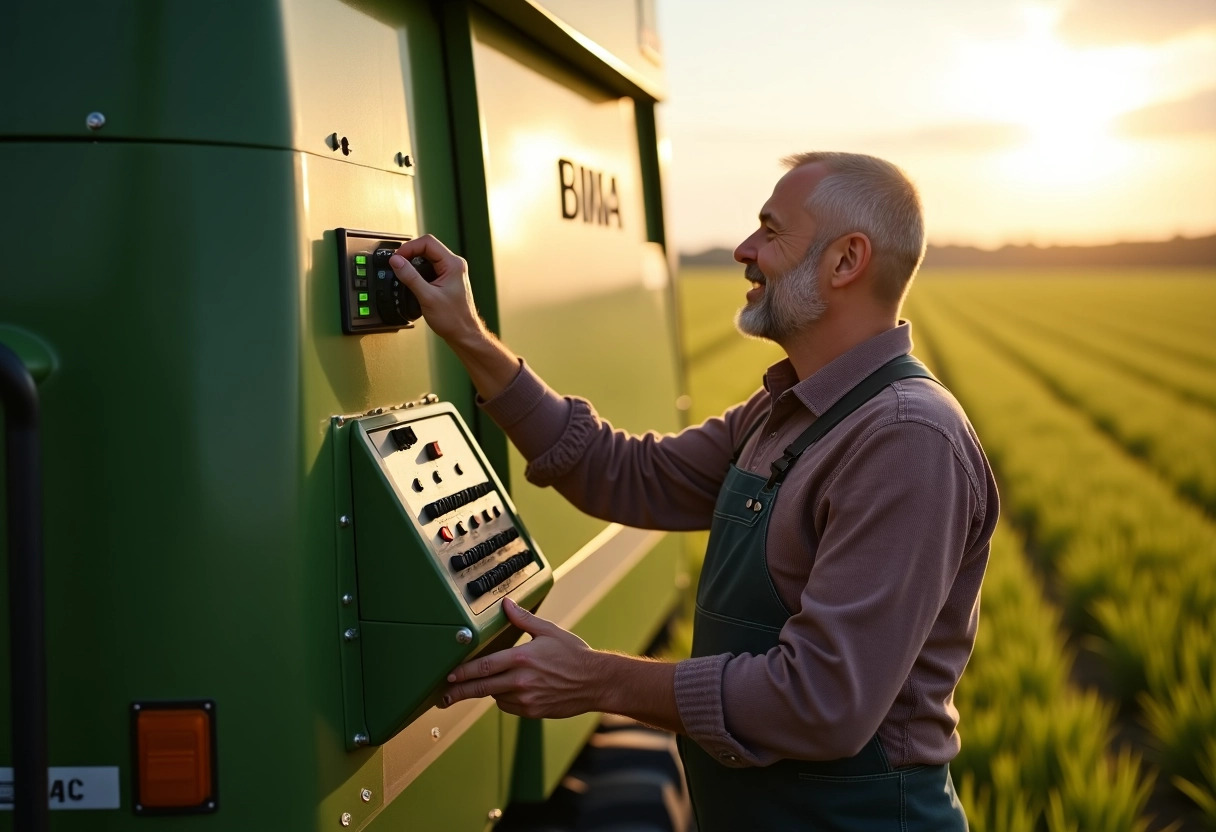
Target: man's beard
{"points": [[789, 303]]}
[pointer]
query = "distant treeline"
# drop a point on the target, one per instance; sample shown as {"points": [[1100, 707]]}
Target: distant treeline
{"points": [[1180, 251]]}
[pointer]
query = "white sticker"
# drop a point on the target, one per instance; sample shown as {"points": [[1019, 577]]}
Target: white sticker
{"points": [[71, 787]]}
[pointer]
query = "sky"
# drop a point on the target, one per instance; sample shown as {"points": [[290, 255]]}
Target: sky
{"points": [[1066, 122]]}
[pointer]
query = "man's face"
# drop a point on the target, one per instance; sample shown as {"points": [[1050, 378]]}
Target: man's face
{"points": [[786, 303], [782, 258]]}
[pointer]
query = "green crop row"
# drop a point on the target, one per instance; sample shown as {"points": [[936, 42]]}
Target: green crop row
{"points": [[1176, 438], [1054, 309], [1166, 311], [1035, 749], [1132, 564]]}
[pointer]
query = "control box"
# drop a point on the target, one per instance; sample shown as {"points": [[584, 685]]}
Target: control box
{"points": [[372, 298], [437, 546]]}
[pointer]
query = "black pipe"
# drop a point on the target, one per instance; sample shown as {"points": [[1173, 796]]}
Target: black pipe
{"points": [[27, 601]]}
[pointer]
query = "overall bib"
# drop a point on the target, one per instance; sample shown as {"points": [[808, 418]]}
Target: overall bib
{"points": [[739, 611]]}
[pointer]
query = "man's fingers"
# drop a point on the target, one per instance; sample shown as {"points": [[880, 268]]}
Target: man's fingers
{"points": [[484, 666], [478, 688], [531, 624]]}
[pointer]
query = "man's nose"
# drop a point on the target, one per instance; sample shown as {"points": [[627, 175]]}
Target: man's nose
{"points": [[745, 252]]}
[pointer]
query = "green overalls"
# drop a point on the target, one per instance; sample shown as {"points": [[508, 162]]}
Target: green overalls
{"points": [[739, 611]]}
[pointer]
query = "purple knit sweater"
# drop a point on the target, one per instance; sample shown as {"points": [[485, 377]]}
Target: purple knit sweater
{"points": [[877, 545]]}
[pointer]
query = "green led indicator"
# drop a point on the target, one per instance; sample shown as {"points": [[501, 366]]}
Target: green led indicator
{"points": [[360, 271], [365, 311], [363, 297], [361, 259]]}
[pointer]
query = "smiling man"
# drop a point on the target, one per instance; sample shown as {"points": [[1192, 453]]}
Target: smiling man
{"points": [[850, 508]]}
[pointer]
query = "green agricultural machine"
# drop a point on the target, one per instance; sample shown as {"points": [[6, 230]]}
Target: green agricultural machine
{"points": [[253, 514]]}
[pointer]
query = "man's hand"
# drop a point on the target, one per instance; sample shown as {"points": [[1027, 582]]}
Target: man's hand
{"points": [[553, 675], [557, 675], [447, 305]]}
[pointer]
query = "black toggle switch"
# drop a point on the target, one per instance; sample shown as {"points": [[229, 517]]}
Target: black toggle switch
{"points": [[417, 484], [460, 529], [404, 437], [435, 476], [459, 470], [473, 521], [485, 515]]}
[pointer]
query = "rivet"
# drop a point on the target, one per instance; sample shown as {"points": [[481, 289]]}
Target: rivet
{"points": [[345, 819], [464, 635], [347, 599], [351, 634], [344, 521], [366, 794], [95, 121], [359, 739], [436, 733]]}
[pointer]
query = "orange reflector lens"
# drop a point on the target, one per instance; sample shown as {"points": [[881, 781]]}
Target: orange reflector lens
{"points": [[174, 758]]}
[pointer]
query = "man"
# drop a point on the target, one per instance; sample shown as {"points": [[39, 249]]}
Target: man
{"points": [[838, 602]]}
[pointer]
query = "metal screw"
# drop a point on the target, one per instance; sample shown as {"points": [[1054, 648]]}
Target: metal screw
{"points": [[344, 521], [339, 420], [351, 634], [366, 794], [210, 804], [359, 739], [136, 706], [95, 121], [345, 820], [436, 733], [464, 635], [206, 706], [496, 814], [347, 599]]}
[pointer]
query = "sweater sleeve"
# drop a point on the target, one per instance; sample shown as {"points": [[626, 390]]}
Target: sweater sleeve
{"points": [[894, 524], [651, 481]]}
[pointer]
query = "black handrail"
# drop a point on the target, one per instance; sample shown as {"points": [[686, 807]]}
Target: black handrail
{"points": [[27, 601]]}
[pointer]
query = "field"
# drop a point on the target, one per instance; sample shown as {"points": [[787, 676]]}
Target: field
{"points": [[1089, 704]]}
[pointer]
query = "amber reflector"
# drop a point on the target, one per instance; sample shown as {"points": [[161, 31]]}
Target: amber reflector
{"points": [[174, 757]]}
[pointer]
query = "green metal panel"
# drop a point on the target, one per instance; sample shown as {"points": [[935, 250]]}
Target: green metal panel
{"points": [[171, 277]]}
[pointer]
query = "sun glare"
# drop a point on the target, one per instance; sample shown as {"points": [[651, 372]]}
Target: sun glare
{"points": [[1065, 98]]}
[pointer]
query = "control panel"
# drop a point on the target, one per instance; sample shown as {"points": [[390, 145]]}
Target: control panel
{"points": [[437, 546], [373, 299]]}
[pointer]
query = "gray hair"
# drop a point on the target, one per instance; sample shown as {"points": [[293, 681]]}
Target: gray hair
{"points": [[870, 195]]}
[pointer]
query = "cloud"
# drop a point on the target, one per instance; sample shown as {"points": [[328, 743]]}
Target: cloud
{"points": [[972, 137], [1094, 22], [1185, 115]]}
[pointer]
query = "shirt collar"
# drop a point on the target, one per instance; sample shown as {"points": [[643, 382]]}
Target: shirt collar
{"points": [[826, 387]]}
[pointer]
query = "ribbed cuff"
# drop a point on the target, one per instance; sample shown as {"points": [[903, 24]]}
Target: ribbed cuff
{"points": [[515, 401], [698, 687]]}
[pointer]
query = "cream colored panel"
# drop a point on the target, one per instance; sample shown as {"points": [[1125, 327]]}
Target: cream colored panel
{"points": [[564, 178]]}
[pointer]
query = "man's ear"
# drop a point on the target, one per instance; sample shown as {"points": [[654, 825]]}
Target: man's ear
{"points": [[848, 258]]}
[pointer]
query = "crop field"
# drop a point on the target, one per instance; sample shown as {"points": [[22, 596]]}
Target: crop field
{"points": [[1090, 701]]}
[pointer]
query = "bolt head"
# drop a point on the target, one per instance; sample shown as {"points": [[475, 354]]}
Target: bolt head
{"points": [[344, 521], [495, 814], [359, 739], [347, 599], [464, 635], [351, 634], [345, 819], [436, 733], [366, 795], [95, 121]]}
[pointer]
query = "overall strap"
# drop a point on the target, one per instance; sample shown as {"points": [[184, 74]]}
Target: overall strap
{"points": [[900, 368]]}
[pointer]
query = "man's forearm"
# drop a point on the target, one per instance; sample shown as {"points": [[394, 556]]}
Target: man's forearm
{"points": [[639, 688], [490, 365]]}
